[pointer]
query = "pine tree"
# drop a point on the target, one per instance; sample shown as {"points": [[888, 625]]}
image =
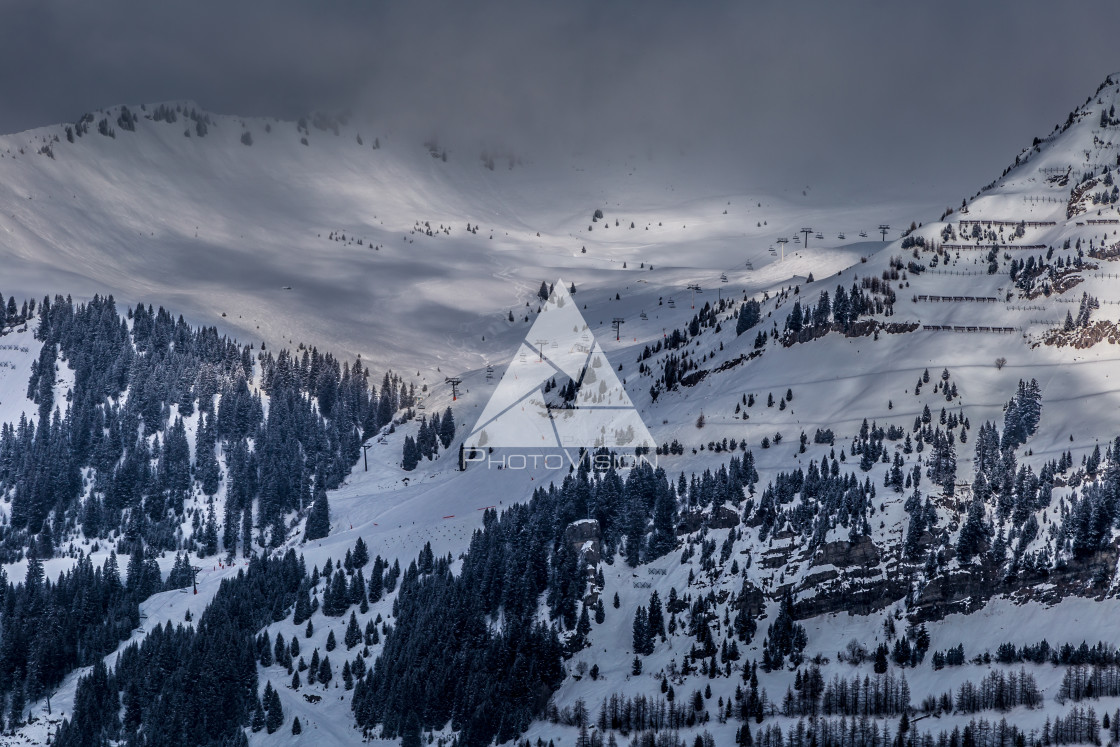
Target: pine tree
{"points": [[784, 638], [411, 456], [447, 428], [318, 524], [313, 667], [880, 666], [15, 711], [347, 676], [583, 627], [264, 648], [353, 633], [917, 526], [1093, 463], [641, 631], [361, 553], [744, 623], [750, 313], [247, 532], [275, 718], [206, 461], [655, 619], [663, 540], [303, 608], [410, 734], [210, 534], [635, 530], [426, 559], [973, 533], [258, 721]]}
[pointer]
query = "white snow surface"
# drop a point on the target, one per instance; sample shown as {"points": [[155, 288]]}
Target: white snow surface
{"points": [[155, 216]]}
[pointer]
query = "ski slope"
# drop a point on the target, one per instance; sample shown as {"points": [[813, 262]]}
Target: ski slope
{"points": [[239, 236]]}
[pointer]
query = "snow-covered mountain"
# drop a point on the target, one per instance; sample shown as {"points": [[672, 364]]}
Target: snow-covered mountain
{"points": [[237, 221], [868, 523]]}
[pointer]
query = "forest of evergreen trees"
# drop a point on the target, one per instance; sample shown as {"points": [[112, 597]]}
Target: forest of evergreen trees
{"points": [[191, 685], [1079, 726], [47, 628], [429, 438], [1081, 682], [840, 312], [829, 498], [441, 660], [1099, 655], [135, 450], [999, 690], [119, 469]]}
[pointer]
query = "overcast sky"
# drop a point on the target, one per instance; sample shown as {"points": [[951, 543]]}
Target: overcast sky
{"points": [[905, 98]]}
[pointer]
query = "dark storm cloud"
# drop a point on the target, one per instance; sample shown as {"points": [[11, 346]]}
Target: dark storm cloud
{"points": [[907, 98]]}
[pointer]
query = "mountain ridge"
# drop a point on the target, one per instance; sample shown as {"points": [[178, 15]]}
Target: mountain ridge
{"points": [[890, 549]]}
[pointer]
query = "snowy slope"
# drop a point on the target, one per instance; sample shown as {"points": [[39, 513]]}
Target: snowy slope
{"points": [[239, 235], [18, 350], [282, 196]]}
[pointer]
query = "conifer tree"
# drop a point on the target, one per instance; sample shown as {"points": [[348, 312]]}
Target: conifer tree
{"points": [[353, 633], [15, 710], [410, 735], [210, 534], [411, 456], [361, 553], [583, 627], [318, 524], [275, 718], [258, 719], [641, 631], [447, 428], [663, 540], [750, 313], [655, 623], [206, 460], [974, 532]]}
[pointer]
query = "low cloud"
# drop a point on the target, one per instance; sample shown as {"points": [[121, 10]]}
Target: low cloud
{"points": [[924, 100]]}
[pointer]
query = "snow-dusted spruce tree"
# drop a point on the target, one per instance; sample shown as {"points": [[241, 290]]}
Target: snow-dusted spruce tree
{"points": [[318, 523]]}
